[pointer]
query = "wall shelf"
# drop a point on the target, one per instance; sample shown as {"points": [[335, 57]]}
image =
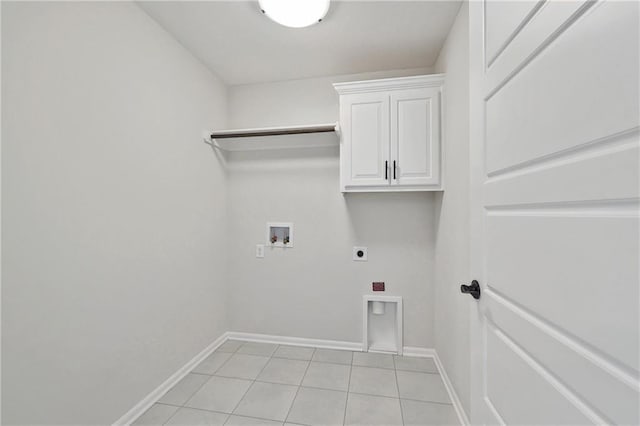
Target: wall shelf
{"points": [[315, 136]]}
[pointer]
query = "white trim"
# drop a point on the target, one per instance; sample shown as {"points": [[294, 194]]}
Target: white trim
{"points": [[365, 321], [430, 80], [295, 341], [142, 406], [415, 351], [457, 405], [408, 188], [146, 402], [453, 396]]}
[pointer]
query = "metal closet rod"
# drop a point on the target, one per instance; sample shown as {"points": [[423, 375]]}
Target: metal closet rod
{"points": [[274, 132]]}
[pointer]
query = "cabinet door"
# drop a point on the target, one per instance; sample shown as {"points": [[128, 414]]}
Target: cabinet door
{"points": [[364, 151], [415, 137]]}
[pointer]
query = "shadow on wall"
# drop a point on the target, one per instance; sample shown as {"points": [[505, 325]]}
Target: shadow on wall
{"points": [[438, 198], [219, 155], [383, 217], [309, 177], [281, 160], [386, 218]]}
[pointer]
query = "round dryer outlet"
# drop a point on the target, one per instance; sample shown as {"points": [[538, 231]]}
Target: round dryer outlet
{"points": [[360, 254]]}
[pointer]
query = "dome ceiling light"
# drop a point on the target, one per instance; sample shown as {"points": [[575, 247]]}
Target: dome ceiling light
{"points": [[295, 13]]}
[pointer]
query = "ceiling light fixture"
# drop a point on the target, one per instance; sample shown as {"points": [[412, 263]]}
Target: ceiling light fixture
{"points": [[295, 13]]}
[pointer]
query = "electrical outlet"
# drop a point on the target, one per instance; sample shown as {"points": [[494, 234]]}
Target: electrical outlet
{"points": [[360, 254], [260, 250]]}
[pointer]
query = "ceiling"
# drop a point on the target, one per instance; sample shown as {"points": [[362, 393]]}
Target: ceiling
{"points": [[242, 46]]}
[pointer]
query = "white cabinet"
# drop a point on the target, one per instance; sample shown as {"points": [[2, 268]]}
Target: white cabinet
{"points": [[365, 118], [390, 134]]}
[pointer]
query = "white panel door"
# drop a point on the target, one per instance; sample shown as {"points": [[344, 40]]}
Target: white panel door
{"points": [[503, 23], [415, 137], [365, 140], [555, 212]]}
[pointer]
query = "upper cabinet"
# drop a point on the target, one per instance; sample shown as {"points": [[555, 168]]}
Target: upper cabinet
{"points": [[390, 134]]}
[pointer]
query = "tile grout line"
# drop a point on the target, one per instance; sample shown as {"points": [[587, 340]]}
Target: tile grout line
{"points": [[329, 362], [346, 403], [197, 409], [252, 382], [313, 387], [395, 373], [274, 355], [226, 414], [298, 389], [201, 386], [319, 362], [353, 353], [187, 400]]}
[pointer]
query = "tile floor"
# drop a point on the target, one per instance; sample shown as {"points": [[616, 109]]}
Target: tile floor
{"points": [[246, 383]]}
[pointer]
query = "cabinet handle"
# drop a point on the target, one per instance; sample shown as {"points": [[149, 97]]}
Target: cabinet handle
{"points": [[394, 169], [386, 170]]}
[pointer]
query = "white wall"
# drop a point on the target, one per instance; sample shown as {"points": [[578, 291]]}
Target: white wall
{"points": [[315, 290], [113, 210], [452, 213], [293, 102]]}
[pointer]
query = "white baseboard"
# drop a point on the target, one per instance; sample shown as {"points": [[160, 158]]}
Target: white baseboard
{"points": [[295, 341], [418, 352], [462, 416], [142, 406], [431, 353], [157, 393]]}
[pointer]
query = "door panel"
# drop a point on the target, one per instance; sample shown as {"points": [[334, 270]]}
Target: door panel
{"points": [[556, 214], [607, 390], [571, 177], [415, 132], [520, 391], [504, 20], [574, 268], [534, 35], [570, 94], [367, 131]]}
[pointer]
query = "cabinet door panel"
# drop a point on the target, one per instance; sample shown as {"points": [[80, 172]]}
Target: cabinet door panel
{"points": [[415, 135], [365, 147]]}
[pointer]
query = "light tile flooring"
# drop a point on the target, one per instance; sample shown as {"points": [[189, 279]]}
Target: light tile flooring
{"points": [[246, 383]]}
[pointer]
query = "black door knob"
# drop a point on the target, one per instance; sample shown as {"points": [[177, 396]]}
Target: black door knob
{"points": [[473, 289]]}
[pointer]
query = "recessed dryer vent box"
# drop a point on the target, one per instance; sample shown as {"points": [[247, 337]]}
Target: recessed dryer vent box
{"points": [[280, 234], [382, 324]]}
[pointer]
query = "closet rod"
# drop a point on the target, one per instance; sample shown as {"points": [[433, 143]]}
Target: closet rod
{"points": [[274, 132]]}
